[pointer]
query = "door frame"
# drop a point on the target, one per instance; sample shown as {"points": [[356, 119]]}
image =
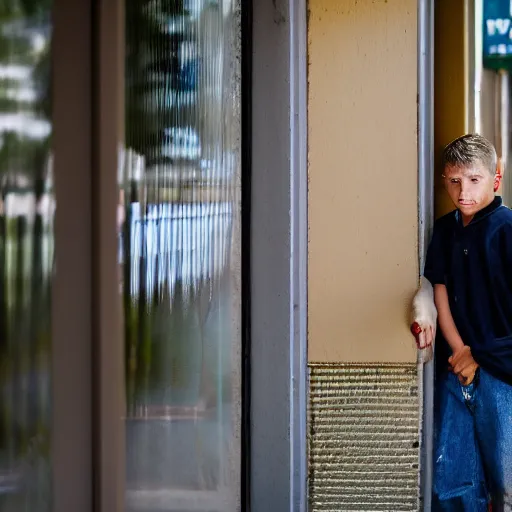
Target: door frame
{"points": [[425, 227], [72, 401], [278, 257], [87, 349]]}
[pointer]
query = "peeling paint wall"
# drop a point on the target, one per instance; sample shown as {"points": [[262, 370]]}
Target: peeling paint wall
{"points": [[363, 265]]}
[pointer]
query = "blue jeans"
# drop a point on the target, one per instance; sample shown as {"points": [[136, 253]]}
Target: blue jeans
{"points": [[473, 445]]}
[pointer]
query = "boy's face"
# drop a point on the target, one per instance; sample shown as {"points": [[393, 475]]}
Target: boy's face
{"points": [[470, 188]]}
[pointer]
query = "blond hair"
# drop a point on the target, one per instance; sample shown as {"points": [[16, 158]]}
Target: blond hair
{"points": [[469, 150]]}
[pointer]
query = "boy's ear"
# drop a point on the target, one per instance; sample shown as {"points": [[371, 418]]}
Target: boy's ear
{"points": [[500, 167]]}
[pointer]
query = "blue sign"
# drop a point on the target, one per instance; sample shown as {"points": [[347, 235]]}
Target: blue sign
{"points": [[497, 34]]}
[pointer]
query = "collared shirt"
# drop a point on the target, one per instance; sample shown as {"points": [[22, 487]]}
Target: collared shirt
{"points": [[475, 264]]}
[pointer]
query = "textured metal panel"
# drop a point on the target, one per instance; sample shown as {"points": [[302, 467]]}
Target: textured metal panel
{"points": [[363, 437]]}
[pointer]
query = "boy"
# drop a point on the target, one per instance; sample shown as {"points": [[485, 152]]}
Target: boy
{"points": [[469, 264]]}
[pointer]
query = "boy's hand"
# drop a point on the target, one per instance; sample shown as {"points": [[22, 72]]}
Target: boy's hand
{"points": [[463, 365], [424, 315], [424, 337]]}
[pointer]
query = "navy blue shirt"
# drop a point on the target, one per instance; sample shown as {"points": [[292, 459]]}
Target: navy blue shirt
{"points": [[475, 264]]}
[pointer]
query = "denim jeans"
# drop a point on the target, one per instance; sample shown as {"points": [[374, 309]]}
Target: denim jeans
{"points": [[473, 445]]}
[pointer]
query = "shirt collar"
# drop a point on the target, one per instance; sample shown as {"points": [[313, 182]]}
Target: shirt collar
{"points": [[484, 212]]}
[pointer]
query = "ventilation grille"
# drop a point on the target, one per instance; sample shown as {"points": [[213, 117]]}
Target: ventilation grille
{"points": [[363, 437]]}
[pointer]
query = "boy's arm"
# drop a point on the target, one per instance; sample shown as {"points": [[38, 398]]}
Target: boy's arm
{"points": [[446, 323], [462, 362], [424, 312]]}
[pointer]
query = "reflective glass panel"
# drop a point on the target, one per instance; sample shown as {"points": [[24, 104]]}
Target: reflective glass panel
{"points": [[179, 220], [26, 254]]}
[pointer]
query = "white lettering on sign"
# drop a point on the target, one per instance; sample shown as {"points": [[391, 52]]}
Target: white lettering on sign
{"points": [[502, 26], [499, 25], [500, 49]]}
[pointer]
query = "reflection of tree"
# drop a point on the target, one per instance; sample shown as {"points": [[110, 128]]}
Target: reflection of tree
{"points": [[152, 71], [24, 9], [24, 42], [43, 83]]}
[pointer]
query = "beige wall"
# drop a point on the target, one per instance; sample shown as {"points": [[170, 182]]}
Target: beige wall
{"points": [[362, 179]]}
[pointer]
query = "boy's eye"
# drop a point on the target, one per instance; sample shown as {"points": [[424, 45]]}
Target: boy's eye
{"points": [[474, 180]]}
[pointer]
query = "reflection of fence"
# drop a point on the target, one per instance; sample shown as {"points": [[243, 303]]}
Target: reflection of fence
{"points": [[179, 242], [188, 243]]}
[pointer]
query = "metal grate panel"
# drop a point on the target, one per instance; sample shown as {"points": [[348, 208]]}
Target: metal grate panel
{"points": [[363, 437]]}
